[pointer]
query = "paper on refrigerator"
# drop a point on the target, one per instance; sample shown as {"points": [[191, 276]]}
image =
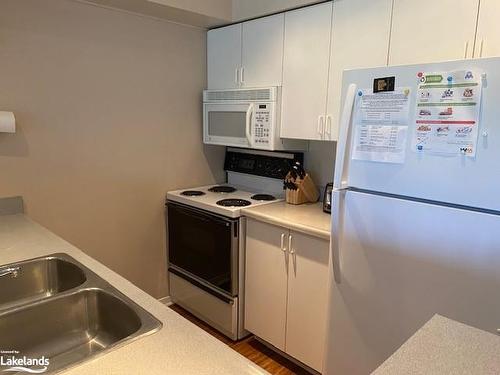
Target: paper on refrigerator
{"points": [[380, 125], [447, 113]]}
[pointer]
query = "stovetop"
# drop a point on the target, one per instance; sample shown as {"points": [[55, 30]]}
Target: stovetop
{"points": [[228, 202]]}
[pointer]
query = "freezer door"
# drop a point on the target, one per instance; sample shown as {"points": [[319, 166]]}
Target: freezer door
{"points": [[458, 179], [401, 262]]}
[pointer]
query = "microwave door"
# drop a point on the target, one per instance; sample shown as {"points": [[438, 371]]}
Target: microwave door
{"points": [[227, 124]]}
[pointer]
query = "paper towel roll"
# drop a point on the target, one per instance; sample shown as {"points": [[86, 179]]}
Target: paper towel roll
{"points": [[7, 122]]}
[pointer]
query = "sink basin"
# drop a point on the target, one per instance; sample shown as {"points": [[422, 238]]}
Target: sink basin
{"points": [[54, 307], [37, 278], [70, 328]]}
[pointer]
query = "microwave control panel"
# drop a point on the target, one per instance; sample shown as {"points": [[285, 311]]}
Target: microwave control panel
{"points": [[262, 131]]}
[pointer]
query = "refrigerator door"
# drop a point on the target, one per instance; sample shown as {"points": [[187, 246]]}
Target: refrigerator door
{"points": [[400, 262], [458, 179]]}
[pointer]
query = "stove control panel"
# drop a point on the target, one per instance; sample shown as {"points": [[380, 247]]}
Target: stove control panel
{"points": [[262, 125], [261, 163]]}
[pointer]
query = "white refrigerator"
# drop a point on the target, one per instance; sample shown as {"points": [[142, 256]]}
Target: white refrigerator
{"points": [[419, 236]]}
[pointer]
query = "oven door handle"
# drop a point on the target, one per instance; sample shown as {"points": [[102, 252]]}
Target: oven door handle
{"points": [[248, 128], [201, 215]]}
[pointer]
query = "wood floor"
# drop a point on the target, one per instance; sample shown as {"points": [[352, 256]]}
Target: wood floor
{"points": [[250, 348]]}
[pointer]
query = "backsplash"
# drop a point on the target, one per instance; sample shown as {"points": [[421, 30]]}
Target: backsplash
{"points": [[11, 206], [319, 161]]}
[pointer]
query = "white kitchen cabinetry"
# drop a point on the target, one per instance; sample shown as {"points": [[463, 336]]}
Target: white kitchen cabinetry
{"points": [[224, 57], [266, 272], [248, 54], [306, 58], [262, 52], [429, 31], [488, 36], [360, 39], [286, 279], [307, 298]]}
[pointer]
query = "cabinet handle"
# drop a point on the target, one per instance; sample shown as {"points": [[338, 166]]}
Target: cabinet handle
{"points": [[320, 126], [236, 76], [293, 254], [282, 246], [290, 248], [328, 127], [466, 49], [242, 75]]}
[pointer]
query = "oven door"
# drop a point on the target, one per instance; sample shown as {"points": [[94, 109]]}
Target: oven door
{"points": [[203, 248], [228, 124]]}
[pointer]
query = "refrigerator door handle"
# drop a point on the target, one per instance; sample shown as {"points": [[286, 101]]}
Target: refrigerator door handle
{"points": [[338, 198], [340, 178]]}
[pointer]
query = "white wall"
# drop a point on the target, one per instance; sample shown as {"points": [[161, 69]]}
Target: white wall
{"points": [[243, 9], [108, 108]]}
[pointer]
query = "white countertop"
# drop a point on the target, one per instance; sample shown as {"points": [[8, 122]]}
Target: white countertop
{"points": [[444, 346], [307, 218], [179, 347]]}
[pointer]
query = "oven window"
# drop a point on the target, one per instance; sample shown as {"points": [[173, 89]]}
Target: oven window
{"points": [[201, 244], [227, 124]]}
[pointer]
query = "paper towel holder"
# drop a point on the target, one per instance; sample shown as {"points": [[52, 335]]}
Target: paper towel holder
{"points": [[7, 122]]}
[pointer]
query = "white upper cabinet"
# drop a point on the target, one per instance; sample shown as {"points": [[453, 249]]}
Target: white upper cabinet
{"points": [[224, 57], [305, 71], [248, 54], [360, 39], [306, 50], [262, 52], [488, 34], [432, 30]]}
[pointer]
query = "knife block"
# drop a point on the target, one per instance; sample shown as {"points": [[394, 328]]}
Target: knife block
{"points": [[295, 196], [306, 191]]}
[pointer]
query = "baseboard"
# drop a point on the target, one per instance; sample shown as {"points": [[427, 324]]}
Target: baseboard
{"points": [[167, 301], [285, 355]]}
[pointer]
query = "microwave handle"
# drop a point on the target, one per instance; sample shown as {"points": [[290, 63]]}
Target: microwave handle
{"points": [[248, 128]]}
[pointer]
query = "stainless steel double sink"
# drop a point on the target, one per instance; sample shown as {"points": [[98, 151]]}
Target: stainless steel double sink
{"points": [[56, 308]]}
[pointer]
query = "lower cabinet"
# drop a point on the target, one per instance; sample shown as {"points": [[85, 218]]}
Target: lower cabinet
{"points": [[286, 279]]}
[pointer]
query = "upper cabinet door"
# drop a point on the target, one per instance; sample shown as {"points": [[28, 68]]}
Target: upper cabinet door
{"points": [[305, 71], [360, 39], [262, 51], [430, 31], [224, 57], [488, 35]]}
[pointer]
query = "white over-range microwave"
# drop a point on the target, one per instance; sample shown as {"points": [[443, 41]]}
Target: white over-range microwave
{"points": [[248, 118]]}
